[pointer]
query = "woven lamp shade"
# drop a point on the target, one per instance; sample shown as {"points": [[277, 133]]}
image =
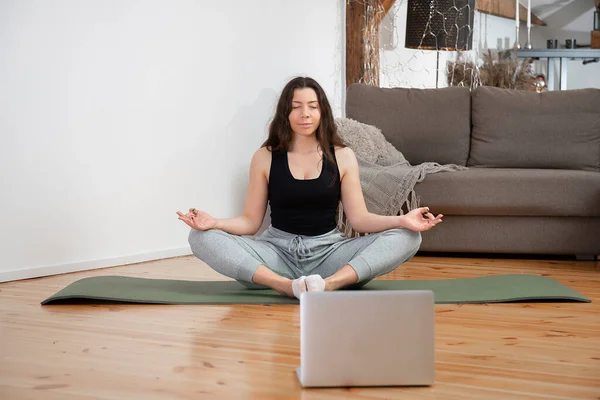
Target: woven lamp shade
{"points": [[440, 24]]}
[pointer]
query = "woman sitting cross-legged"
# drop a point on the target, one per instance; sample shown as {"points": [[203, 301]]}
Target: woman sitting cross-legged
{"points": [[303, 171]]}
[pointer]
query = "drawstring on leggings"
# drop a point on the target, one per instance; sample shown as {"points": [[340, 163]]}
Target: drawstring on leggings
{"points": [[298, 247]]}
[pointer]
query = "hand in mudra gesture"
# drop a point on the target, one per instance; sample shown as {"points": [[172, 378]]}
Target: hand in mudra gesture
{"points": [[420, 219], [197, 219]]}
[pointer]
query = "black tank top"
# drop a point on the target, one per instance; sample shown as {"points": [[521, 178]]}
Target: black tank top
{"points": [[303, 206]]}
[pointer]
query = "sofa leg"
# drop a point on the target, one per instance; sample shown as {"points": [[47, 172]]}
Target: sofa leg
{"points": [[586, 257]]}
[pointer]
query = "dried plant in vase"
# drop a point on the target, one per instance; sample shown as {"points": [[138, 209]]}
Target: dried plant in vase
{"points": [[462, 72], [502, 70]]}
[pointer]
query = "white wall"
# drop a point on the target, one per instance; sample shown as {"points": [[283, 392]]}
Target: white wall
{"points": [[404, 67], [114, 114]]}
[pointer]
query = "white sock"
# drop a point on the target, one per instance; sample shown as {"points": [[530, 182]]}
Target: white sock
{"points": [[314, 283], [299, 286]]}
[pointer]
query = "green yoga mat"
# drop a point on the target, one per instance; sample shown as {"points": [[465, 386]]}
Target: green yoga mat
{"points": [[488, 289]]}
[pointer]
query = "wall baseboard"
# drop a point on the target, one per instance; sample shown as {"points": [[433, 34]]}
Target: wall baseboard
{"points": [[38, 272]]}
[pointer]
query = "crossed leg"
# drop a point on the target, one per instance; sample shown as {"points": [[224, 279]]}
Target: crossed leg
{"points": [[367, 257], [361, 259], [255, 264]]}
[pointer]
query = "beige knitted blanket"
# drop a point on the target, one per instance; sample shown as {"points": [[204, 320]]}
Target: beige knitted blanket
{"points": [[386, 177]]}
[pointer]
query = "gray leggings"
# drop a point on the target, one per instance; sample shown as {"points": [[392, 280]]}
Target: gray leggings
{"points": [[292, 256]]}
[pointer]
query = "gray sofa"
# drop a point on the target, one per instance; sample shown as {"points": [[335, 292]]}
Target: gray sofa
{"points": [[533, 180]]}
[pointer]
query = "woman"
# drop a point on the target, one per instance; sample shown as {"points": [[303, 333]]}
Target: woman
{"points": [[303, 170]]}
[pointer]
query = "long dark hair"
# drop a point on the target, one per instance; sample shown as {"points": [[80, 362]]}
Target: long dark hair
{"points": [[280, 131]]}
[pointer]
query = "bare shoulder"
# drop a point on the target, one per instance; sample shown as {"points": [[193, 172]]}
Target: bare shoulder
{"points": [[346, 159], [261, 161], [344, 152], [345, 156], [262, 154]]}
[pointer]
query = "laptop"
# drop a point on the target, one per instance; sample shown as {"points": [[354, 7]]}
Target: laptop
{"points": [[367, 338]]}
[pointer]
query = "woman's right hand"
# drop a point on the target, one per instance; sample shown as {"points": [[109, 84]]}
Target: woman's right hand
{"points": [[197, 219]]}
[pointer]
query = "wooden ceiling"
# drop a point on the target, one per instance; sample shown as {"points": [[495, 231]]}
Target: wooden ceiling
{"points": [[506, 9]]}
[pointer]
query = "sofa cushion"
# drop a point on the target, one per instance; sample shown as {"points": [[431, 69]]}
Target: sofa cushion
{"points": [[520, 129], [512, 192], [424, 124], [526, 235]]}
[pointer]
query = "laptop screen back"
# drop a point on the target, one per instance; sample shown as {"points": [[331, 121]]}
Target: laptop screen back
{"points": [[367, 338]]}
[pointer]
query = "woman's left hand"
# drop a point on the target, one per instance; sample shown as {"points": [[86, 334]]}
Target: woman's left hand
{"points": [[420, 220]]}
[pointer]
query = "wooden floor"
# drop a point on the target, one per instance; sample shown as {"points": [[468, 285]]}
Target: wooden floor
{"points": [[496, 351]]}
